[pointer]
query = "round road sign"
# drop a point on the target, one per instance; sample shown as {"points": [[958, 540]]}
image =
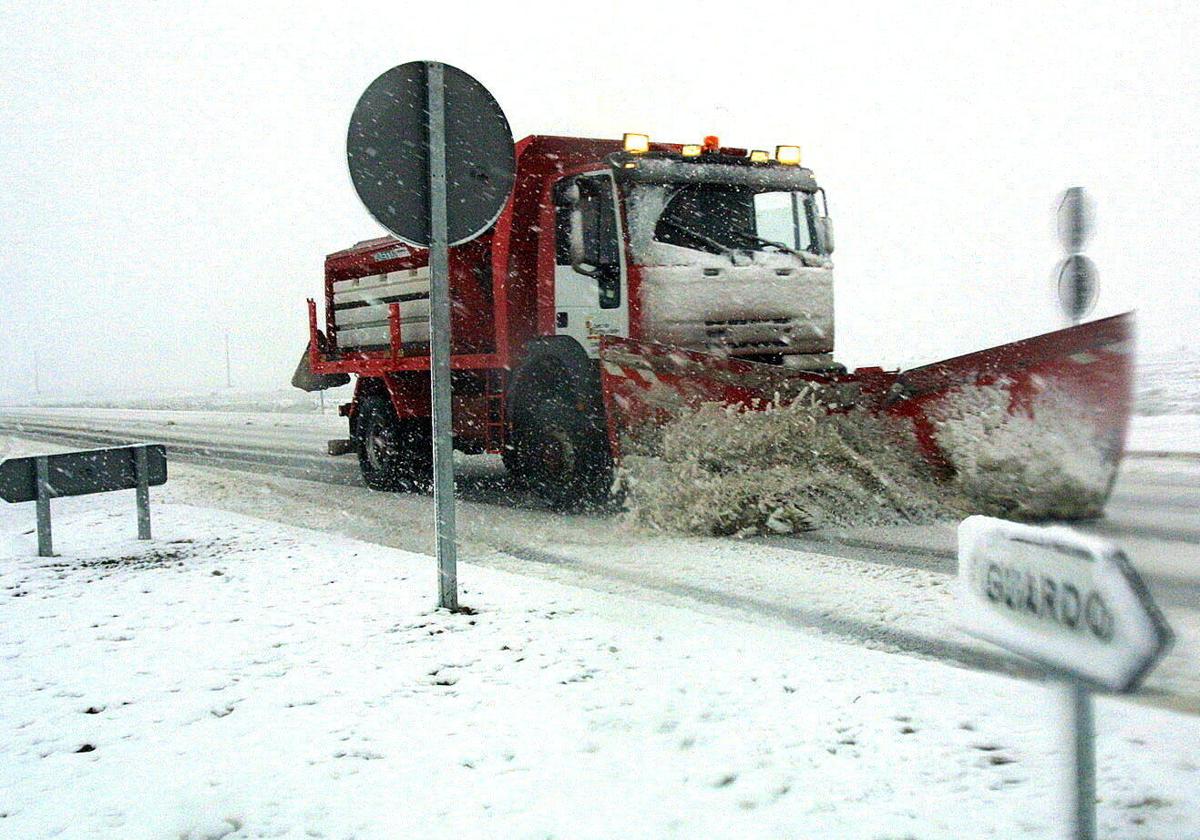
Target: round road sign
{"points": [[1077, 286], [387, 148], [1076, 215]]}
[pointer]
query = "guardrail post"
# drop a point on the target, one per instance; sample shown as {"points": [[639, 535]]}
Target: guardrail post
{"points": [[45, 540], [142, 473]]}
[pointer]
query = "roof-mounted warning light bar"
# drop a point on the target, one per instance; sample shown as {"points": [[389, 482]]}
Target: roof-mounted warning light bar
{"points": [[636, 147], [788, 155], [637, 144]]}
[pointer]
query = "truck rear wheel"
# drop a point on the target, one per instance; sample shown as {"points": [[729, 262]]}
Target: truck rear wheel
{"points": [[560, 455], [393, 454]]}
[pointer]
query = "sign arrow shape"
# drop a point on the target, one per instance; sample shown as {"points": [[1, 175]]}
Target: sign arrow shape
{"points": [[1068, 601]]}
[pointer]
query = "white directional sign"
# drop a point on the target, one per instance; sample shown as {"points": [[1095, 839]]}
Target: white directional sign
{"points": [[1064, 599]]}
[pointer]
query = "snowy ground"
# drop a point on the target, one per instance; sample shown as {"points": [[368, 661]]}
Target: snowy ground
{"points": [[308, 431], [1169, 384], [237, 678], [882, 587], [692, 734], [1165, 433]]}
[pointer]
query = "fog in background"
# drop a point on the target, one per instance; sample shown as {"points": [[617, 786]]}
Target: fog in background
{"points": [[169, 173]]}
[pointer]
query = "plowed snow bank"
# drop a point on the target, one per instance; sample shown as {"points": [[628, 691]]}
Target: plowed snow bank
{"points": [[724, 470], [1052, 466]]}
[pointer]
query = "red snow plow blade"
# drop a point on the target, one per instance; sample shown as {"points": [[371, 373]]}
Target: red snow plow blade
{"points": [[1032, 429]]}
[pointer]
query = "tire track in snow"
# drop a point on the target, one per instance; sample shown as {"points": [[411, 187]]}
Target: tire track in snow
{"points": [[1168, 589], [859, 631]]}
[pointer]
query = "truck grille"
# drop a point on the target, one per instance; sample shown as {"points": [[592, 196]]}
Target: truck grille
{"points": [[750, 335]]}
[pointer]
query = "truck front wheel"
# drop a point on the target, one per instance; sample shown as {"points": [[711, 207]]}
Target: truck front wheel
{"points": [[393, 454], [560, 455]]}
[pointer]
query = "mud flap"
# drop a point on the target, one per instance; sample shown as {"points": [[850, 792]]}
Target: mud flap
{"points": [[341, 446], [306, 380]]}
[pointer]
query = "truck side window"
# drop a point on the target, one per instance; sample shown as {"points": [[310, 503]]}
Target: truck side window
{"points": [[601, 242], [562, 235]]}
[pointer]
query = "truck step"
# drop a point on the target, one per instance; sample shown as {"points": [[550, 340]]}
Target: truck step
{"points": [[343, 446]]}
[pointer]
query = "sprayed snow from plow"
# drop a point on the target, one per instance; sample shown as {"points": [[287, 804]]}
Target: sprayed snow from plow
{"points": [[1049, 466], [723, 470], [726, 470]]}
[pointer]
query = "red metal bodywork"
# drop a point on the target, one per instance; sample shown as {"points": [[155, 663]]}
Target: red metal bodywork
{"points": [[491, 322], [489, 326]]}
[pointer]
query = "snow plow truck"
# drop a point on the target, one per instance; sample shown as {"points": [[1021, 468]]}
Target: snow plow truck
{"points": [[626, 282]]}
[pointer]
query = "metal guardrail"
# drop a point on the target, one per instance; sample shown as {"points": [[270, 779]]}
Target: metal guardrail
{"points": [[40, 478]]}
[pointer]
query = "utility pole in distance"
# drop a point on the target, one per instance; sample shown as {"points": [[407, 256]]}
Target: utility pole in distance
{"points": [[228, 376]]}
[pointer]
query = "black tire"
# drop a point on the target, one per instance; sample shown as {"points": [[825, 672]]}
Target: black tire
{"points": [[561, 454], [392, 454], [517, 474]]}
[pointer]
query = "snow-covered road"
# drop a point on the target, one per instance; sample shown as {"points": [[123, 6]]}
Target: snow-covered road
{"points": [[237, 678], [885, 588]]}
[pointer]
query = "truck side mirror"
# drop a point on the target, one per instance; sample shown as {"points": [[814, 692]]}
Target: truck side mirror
{"points": [[825, 234], [579, 257], [567, 194]]}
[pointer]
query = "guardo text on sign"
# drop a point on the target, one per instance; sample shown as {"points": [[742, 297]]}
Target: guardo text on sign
{"points": [[1069, 601], [1048, 598]]}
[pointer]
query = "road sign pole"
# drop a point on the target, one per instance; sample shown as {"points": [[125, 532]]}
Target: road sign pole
{"points": [[450, 195], [1083, 761], [1073, 604], [439, 341], [45, 540], [142, 469]]}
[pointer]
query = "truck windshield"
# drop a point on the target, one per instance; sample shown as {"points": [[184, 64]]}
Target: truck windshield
{"points": [[722, 218]]}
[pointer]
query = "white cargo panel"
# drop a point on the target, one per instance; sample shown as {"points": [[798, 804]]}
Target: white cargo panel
{"points": [[360, 308]]}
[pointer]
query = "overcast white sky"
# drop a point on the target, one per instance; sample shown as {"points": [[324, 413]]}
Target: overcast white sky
{"points": [[169, 172]]}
